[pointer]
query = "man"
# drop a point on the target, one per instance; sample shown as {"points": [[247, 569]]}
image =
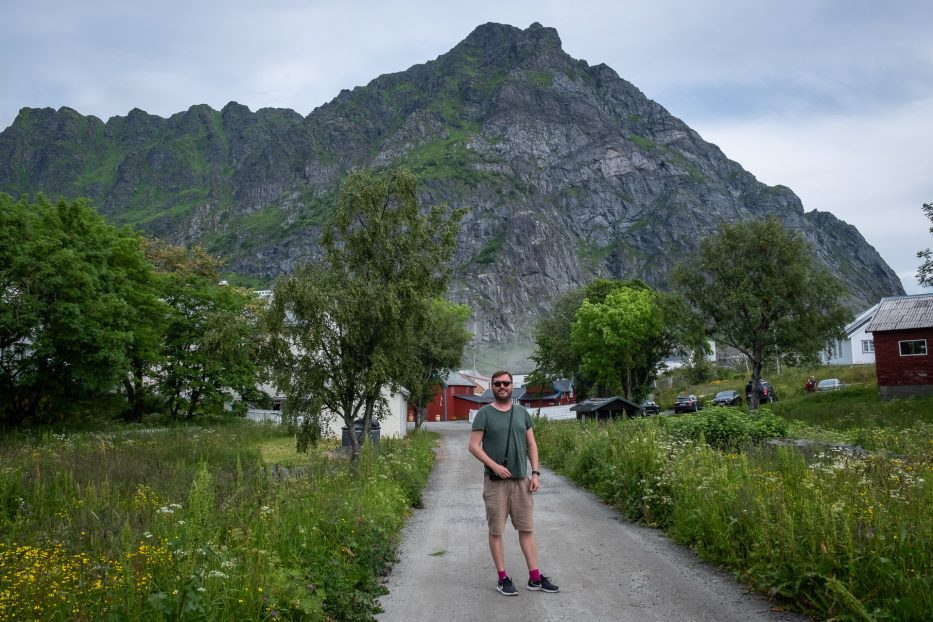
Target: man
{"points": [[503, 440]]}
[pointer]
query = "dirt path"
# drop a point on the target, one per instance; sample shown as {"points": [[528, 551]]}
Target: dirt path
{"points": [[607, 569]]}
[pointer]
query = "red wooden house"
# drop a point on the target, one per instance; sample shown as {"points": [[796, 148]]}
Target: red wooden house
{"points": [[560, 392], [443, 406], [903, 334]]}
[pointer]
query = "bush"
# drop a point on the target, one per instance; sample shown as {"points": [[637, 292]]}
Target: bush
{"points": [[728, 428]]}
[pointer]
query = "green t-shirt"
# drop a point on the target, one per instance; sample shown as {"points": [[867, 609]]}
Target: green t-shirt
{"points": [[494, 423]]}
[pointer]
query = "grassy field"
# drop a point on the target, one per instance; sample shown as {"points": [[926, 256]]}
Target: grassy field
{"points": [[836, 531], [199, 524]]}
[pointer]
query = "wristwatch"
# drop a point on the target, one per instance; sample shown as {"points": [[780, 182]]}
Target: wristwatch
{"points": [[538, 473]]}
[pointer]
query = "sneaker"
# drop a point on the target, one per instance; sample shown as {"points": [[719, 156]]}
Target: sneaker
{"points": [[543, 585], [506, 587]]}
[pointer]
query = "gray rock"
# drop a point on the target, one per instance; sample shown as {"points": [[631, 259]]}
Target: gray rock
{"points": [[568, 172]]}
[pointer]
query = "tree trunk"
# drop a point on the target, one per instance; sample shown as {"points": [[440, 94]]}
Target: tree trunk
{"points": [[135, 392], [757, 353], [192, 403]]}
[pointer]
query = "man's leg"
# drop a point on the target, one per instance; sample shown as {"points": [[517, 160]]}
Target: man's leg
{"points": [[526, 539], [497, 549]]}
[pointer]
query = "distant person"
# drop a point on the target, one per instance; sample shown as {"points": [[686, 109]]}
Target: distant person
{"points": [[503, 440], [811, 385]]}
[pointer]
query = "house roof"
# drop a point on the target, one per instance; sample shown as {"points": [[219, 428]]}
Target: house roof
{"points": [[564, 386], [593, 404], [903, 313], [863, 318], [455, 379]]}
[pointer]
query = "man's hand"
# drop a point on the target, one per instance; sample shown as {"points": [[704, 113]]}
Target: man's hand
{"points": [[534, 483], [502, 471]]}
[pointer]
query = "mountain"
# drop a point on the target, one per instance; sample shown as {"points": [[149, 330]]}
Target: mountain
{"points": [[567, 170]]}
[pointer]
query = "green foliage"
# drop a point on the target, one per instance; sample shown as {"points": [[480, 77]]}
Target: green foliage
{"points": [[541, 79], [77, 303], [554, 355], [342, 329], [615, 338], [645, 144], [925, 271], [610, 336], [195, 524], [698, 368], [834, 534], [209, 350], [728, 428], [756, 287], [437, 348], [490, 251]]}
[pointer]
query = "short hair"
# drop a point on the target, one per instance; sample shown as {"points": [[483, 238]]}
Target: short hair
{"points": [[501, 372]]}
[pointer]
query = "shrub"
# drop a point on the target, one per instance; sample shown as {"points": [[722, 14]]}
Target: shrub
{"points": [[728, 428]]}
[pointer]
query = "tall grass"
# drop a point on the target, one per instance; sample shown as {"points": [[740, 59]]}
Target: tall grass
{"points": [[840, 536], [195, 525]]}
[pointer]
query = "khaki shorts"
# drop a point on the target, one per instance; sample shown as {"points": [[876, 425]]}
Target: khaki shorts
{"points": [[508, 497]]}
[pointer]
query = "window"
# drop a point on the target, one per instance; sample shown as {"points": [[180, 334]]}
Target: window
{"points": [[913, 347], [868, 346]]}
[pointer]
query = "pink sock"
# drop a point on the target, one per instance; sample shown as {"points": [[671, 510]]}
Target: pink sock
{"points": [[503, 574], [535, 575]]}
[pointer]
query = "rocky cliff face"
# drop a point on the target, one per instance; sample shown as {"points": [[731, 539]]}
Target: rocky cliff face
{"points": [[568, 172]]}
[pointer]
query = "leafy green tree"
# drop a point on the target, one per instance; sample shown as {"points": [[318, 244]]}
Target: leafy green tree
{"points": [[925, 271], [211, 341], [623, 339], [74, 297], [756, 287], [611, 337], [437, 348], [340, 329], [554, 354], [558, 355]]}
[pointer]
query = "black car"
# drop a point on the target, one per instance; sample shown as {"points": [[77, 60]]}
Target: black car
{"points": [[766, 392], [687, 404], [728, 398], [650, 408]]}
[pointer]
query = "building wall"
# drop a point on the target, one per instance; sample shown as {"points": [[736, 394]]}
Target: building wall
{"points": [[442, 407], [850, 350], [894, 370]]}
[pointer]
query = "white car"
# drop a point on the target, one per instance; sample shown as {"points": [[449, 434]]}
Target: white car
{"points": [[829, 384]]}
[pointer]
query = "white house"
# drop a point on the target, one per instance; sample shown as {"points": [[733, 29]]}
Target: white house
{"points": [[858, 347], [393, 424]]}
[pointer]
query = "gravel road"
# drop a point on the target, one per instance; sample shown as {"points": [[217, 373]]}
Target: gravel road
{"points": [[607, 568]]}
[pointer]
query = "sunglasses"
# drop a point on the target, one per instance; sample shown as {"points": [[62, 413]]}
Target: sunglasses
{"points": [[501, 383]]}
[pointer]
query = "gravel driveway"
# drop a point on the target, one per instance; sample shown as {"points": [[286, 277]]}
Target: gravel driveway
{"points": [[607, 568]]}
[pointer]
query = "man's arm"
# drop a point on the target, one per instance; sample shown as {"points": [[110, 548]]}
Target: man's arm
{"points": [[476, 448], [533, 457]]}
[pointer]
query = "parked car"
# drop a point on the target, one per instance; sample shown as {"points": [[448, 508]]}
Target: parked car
{"points": [[766, 392], [687, 403], [728, 398], [650, 408], [829, 384]]}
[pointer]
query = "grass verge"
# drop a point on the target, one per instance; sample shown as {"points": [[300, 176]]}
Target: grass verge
{"points": [[194, 524], [838, 535]]}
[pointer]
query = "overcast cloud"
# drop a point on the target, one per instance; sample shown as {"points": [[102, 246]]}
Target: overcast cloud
{"points": [[832, 98]]}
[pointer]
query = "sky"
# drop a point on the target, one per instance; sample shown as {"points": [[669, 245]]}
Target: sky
{"points": [[832, 98]]}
